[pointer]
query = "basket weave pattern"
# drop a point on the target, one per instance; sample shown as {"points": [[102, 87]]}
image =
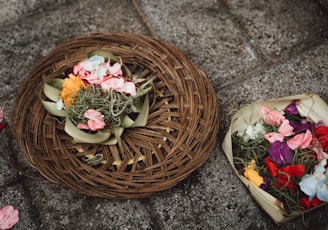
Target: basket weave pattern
{"points": [[179, 135]]}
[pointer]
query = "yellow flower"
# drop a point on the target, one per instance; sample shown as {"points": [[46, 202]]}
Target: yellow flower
{"points": [[252, 175], [71, 86]]}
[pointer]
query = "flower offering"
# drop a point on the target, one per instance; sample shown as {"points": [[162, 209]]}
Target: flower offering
{"points": [[281, 149], [98, 98]]}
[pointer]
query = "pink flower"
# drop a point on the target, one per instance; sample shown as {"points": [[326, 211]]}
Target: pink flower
{"points": [[320, 153], [86, 74], [8, 217], [128, 88], [300, 140], [78, 70], [3, 123], [115, 70], [284, 130], [91, 79], [119, 85], [317, 148], [271, 117], [112, 83], [1, 114], [96, 120], [273, 137], [82, 126]]}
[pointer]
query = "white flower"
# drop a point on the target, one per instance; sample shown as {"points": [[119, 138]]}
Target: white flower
{"points": [[253, 132], [60, 104], [316, 184], [95, 65], [93, 62], [323, 192]]}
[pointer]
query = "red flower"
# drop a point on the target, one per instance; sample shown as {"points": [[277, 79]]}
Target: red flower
{"points": [[306, 204], [294, 170], [272, 167], [321, 133], [284, 174], [3, 123]]}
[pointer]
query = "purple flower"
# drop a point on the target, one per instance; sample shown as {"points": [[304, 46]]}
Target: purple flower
{"points": [[265, 184], [68, 71], [298, 122], [300, 126], [280, 153], [291, 108]]}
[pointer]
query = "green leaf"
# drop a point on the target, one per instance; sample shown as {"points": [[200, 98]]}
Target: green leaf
{"points": [[146, 87], [126, 122], [143, 115], [56, 82], [52, 88], [111, 141], [51, 108], [117, 133]]}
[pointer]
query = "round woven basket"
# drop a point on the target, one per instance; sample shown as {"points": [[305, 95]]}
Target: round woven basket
{"points": [[179, 135]]}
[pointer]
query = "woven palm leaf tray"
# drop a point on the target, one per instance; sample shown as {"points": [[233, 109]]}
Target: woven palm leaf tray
{"points": [[180, 132]]}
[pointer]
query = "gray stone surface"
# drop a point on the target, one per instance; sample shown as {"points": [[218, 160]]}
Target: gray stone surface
{"points": [[279, 28], [250, 50]]}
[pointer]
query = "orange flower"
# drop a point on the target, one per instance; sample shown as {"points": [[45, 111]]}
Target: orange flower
{"points": [[71, 86], [251, 174]]}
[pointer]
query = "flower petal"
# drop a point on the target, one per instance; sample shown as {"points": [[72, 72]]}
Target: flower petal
{"points": [[115, 70], [271, 117], [128, 88], [8, 217], [1, 114], [321, 132], [291, 108], [306, 139], [252, 175], [300, 140], [323, 193], [280, 153], [286, 129], [320, 153], [308, 185], [93, 115], [93, 62], [272, 167], [113, 83], [294, 170], [273, 137], [94, 125], [82, 126], [304, 203], [320, 168], [96, 120]]}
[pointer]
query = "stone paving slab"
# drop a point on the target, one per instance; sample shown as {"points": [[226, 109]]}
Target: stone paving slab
{"points": [[207, 32], [251, 51], [279, 28]]}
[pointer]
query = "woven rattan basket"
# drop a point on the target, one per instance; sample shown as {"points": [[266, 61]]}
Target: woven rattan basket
{"points": [[179, 135]]}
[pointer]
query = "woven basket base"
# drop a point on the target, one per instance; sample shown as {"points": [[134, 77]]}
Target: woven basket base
{"points": [[180, 133]]}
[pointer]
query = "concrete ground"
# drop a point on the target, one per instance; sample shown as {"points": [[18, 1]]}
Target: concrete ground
{"points": [[250, 50]]}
